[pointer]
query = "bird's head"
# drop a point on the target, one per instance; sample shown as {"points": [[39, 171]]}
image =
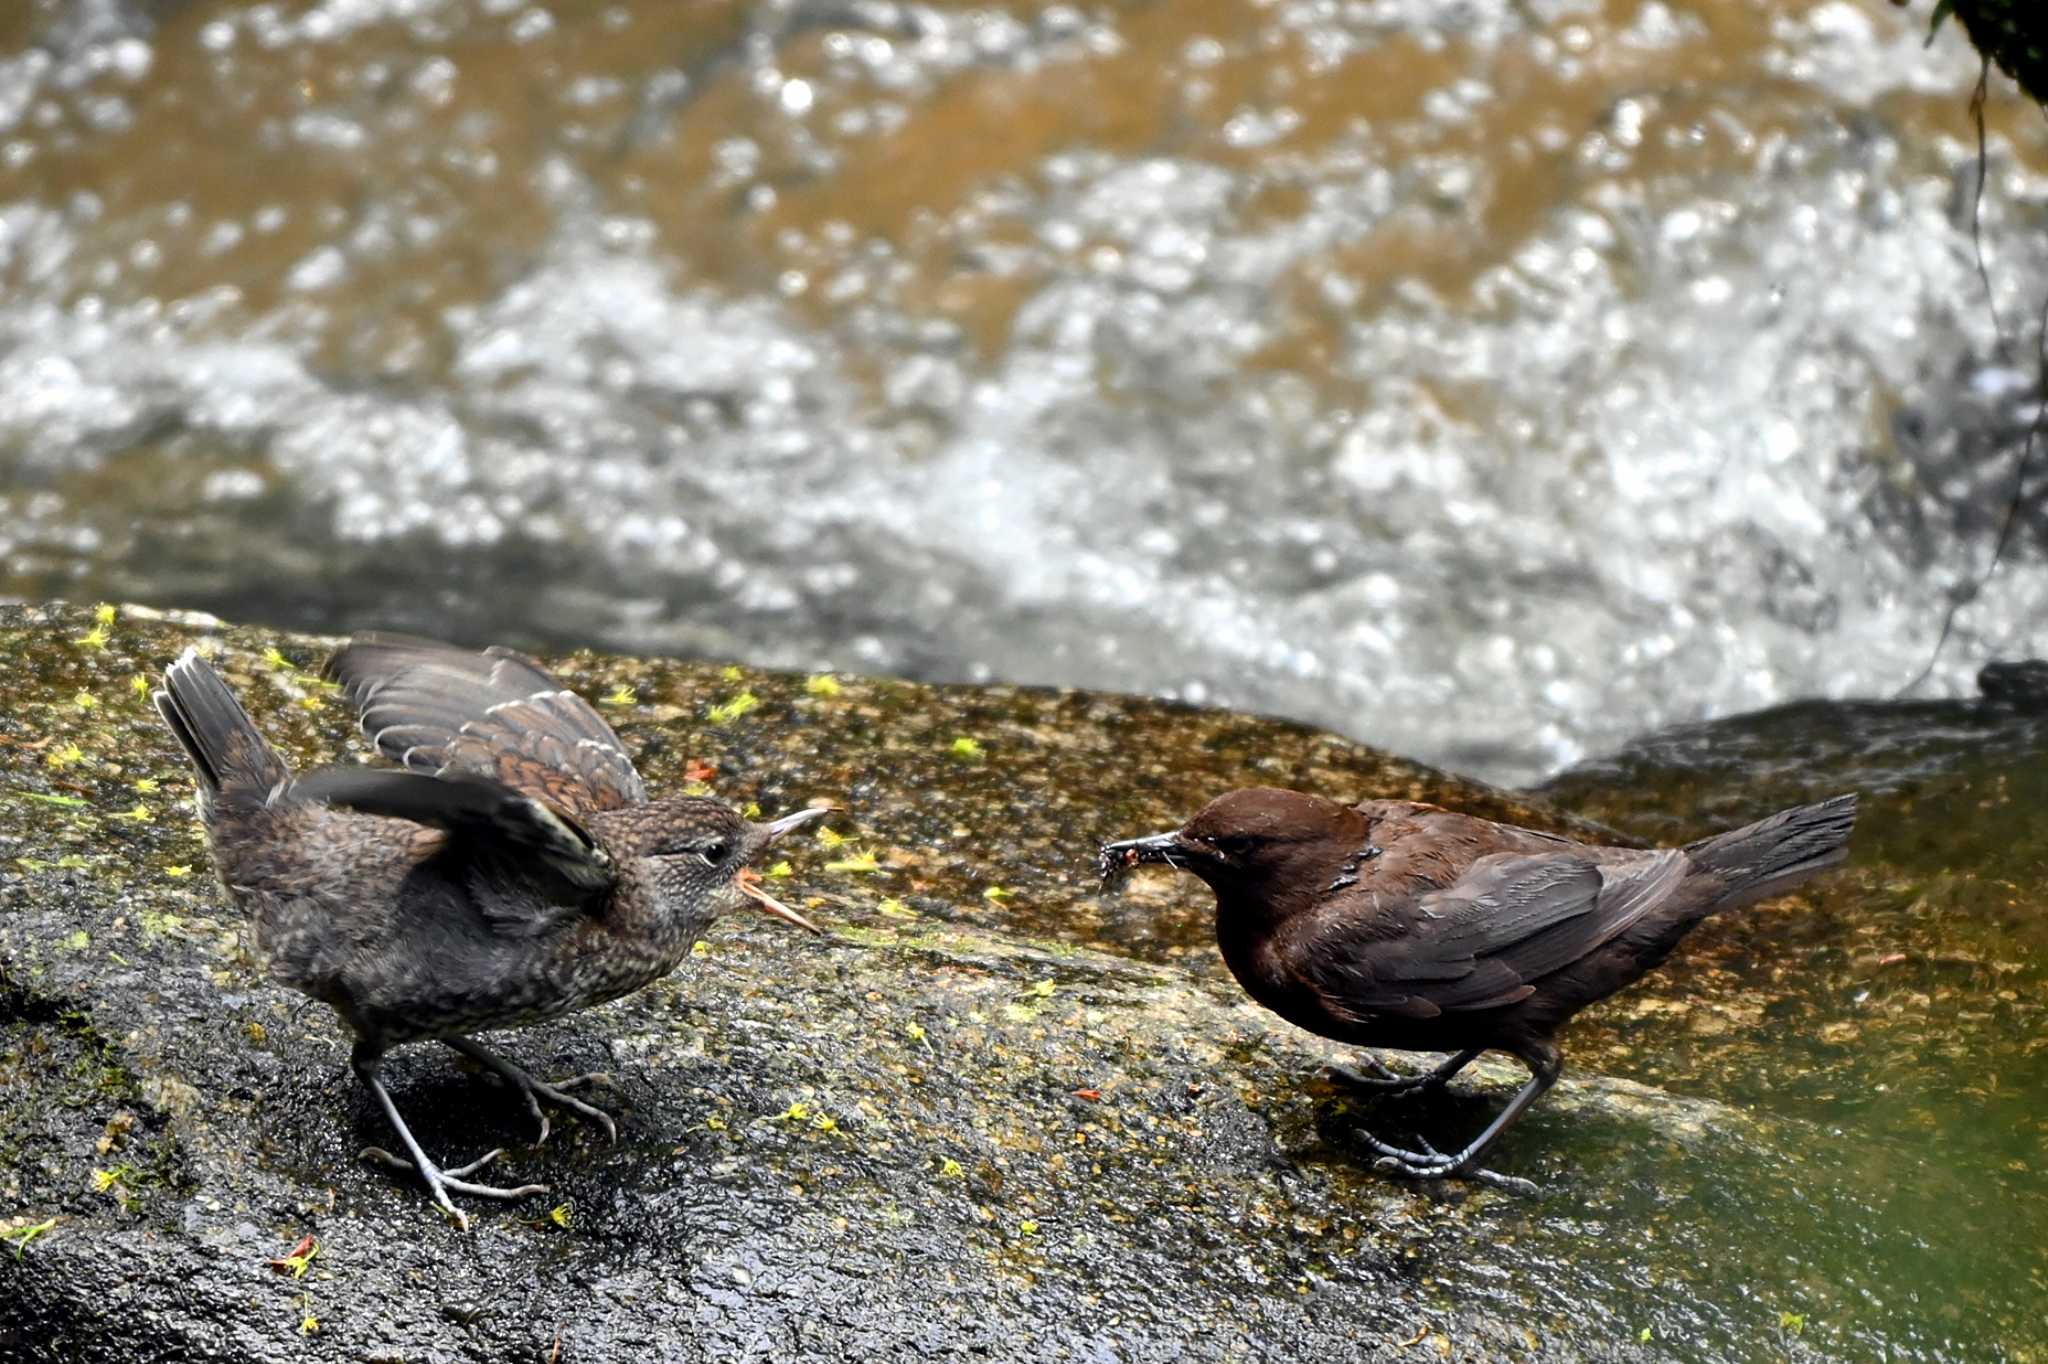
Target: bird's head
{"points": [[695, 855], [1259, 843]]}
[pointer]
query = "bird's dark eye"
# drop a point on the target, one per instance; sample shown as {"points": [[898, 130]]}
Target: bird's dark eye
{"points": [[1237, 845], [714, 853]]}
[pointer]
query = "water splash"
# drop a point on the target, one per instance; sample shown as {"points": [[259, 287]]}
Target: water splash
{"points": [[1492, 383]]}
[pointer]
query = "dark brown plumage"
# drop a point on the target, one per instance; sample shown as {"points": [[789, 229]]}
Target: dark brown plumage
{"points": [[512, 871], [1397, 924]]}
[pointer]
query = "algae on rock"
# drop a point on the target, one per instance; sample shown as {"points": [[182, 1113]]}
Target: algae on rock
{"points": [[994, 1116]]}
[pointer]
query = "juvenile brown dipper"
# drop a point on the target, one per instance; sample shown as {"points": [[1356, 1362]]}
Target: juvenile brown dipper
{"points": [[1396, 924], [514, 870]]}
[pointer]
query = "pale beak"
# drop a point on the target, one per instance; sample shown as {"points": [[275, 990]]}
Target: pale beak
{"points": [[749, 880], [796, 820]]}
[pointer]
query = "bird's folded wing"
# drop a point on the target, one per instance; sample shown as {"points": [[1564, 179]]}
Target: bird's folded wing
{"points": [[441, 710], [551, 856], [1482, 942]]}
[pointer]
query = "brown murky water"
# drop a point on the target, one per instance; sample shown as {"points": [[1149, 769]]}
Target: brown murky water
{"points": [[1495, 379]]}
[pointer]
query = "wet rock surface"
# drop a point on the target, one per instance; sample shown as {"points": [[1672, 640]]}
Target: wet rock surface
{"points": [[994, 1115]]}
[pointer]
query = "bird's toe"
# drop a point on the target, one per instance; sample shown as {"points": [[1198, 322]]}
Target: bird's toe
{"points": [[1446, 1167], [485, 1159], [463, 1186], [596, 1078]]}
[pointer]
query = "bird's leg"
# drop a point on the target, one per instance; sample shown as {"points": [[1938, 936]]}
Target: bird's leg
{"points": [[1376, 1076], [1429, 1163], [533, 1091], [439, 1182]]}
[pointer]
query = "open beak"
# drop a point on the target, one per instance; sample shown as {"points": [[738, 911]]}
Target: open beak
{"points": [[1116, 858], [750, 886], [749, 880]]}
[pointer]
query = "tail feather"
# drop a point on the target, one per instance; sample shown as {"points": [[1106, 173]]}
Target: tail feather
{"points": [[1776, 853], [227, 751]]}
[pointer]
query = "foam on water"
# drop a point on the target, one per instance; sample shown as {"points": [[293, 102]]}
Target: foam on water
{"points": [[1562, 397]]}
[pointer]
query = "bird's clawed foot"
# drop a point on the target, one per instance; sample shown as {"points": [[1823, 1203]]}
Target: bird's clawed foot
{"points": [[535, 1092], [1430, 1163], [1378, 1079], [1416, 1165], [442, 1182], [539, 1090], [1373, 1075]]}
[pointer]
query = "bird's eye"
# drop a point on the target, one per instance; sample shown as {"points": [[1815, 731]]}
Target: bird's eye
{"points": [[711, 854], [1237, 845]]}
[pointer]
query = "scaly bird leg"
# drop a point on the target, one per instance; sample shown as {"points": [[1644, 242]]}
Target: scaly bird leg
{"points": [[534, 1091], [1376, 1076], [1430, 1163], [439, 1182]]}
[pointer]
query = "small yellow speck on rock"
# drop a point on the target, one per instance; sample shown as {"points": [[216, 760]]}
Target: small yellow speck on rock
{"points": [[822, 684], [700, 948], [725, 712]]}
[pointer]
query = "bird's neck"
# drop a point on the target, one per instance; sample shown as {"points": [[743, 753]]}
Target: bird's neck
{"points": [[1248, 929], [1251, 913]]}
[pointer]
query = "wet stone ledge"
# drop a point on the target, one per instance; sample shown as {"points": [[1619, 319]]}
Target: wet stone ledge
{"points": [[992, 1116]]}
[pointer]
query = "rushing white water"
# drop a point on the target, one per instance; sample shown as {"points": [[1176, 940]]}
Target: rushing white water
{"points": [[1580, 376]]}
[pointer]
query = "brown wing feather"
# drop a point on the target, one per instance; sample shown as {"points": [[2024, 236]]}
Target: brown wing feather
{"points": [[549, 851], [1483, 941], [440, 710]]}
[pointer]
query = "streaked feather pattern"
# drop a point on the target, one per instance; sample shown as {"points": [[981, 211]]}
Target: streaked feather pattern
{"points": [[439, 710]]}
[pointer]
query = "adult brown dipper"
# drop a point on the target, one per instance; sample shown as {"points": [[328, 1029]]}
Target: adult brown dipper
{"points": [[1396, 924], [513, 868]]}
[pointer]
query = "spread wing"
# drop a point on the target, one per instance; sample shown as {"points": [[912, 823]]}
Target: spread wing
{"points": [[1482, 942], [444, 711], [539, 860]]}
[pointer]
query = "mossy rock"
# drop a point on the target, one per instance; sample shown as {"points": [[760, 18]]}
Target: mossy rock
{"points": [[994, 1116]]}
